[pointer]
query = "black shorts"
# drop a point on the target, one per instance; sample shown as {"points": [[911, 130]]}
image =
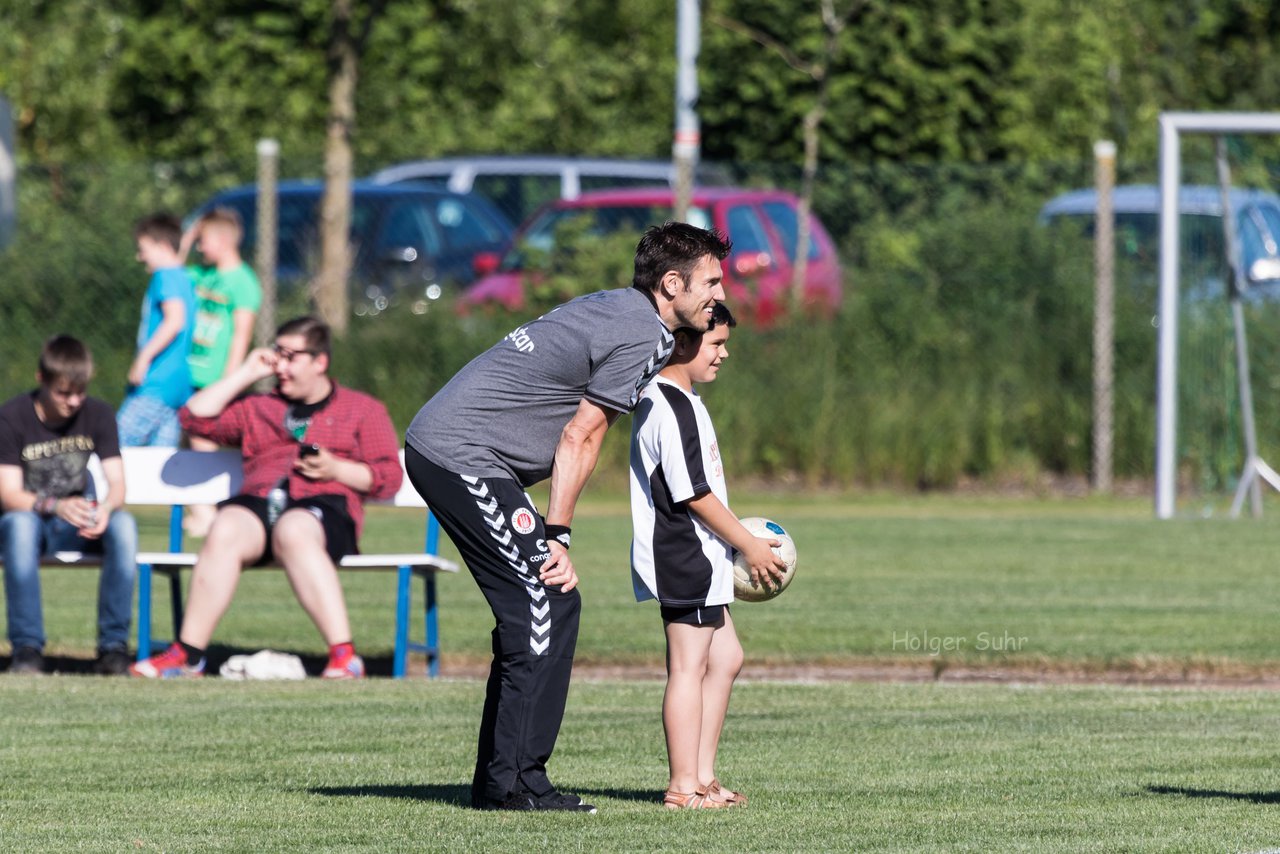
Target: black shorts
{"points": [[331, 510], [695, 615]]}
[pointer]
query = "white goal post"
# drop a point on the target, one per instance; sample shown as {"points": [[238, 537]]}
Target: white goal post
{"points": [[1172, 127]]}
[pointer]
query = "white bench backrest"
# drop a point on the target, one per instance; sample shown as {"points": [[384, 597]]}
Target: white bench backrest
{"points": [[165, 476]]}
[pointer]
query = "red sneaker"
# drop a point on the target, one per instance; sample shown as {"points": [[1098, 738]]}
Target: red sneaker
{"points": [[348, 667], [170, 664]]}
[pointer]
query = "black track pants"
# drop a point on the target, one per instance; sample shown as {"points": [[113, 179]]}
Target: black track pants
{"points": [[500, 536]]}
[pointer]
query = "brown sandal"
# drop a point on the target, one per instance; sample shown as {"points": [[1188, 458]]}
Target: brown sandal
{"points": [[695, 800], [728, 799]]}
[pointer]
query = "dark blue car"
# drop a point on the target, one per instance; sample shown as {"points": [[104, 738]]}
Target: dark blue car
{"points": [[410, 243]]}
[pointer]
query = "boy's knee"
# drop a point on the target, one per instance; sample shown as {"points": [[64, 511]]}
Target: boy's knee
{"points": [[296, 529]]}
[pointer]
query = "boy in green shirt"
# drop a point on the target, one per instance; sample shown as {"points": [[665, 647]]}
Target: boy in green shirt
{"points": [[228, 297]]}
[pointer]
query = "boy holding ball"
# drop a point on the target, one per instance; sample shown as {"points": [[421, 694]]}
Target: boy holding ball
{"points": [[684, 537]]}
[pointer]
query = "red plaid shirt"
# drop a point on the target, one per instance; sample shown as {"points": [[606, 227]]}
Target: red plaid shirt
{"points": [[353, 426]]}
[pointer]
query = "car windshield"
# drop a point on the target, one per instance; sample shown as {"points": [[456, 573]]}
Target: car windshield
{"points": [[557, 228]]}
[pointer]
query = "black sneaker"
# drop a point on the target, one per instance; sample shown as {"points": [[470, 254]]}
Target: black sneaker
{"points": [[112, 662], [554, 800], [27, 659], [513, 801], [528, 802]]}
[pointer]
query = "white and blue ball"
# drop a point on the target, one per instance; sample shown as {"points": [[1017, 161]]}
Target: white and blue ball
{"points": [[743, 589]]}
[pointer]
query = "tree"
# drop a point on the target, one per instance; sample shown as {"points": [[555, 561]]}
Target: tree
{"points": [[818, 69], [329, 288]]}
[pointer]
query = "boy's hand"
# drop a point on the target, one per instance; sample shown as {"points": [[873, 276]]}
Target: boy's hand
{"points": [[558, 569], [138, 371], [767, 569]]}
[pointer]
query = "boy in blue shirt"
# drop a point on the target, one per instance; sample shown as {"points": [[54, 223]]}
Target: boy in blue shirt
{"points": [[682, 555], [159, 379]]}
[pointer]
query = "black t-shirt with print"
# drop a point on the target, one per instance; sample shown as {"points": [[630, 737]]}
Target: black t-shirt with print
{"points": [[56, 462]]}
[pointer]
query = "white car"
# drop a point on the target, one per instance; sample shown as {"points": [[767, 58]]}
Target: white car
{"points": [[519, 184]]}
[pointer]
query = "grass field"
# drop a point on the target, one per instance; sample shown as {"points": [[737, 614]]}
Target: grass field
{"points": [[109, 765], [1034, 586]]}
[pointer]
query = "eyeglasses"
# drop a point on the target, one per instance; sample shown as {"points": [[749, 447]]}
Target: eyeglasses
{"points": [[287, 355]]}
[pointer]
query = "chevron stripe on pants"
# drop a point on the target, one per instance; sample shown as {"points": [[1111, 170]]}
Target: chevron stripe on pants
{"points": [[500, 536]]}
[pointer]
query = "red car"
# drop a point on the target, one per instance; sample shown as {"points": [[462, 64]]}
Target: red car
{"points": [[761, 223]]}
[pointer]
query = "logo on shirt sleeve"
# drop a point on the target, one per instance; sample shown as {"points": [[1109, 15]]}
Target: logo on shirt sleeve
{"points": [[521, 338]]}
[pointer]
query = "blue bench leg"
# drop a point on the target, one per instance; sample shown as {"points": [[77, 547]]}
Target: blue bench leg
{"points": [[144, 611], [432, 628], [400, 660]]}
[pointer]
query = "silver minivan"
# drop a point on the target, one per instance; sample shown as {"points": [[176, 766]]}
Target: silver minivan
{"points": [[1137, 213], [519, 184]]}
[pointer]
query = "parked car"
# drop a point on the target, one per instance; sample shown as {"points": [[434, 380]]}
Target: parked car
{"points": [[761, 223], [519, 184], [410, 243], [1137, 213]]}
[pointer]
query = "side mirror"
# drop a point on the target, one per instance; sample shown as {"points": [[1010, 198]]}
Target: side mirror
{"points": [[485, 263]]}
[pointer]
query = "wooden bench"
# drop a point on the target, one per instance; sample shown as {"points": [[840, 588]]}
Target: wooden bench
{"points": [[179, 478]]}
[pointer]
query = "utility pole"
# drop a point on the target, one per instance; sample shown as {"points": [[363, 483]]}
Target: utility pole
{"points": [[687, 142]]}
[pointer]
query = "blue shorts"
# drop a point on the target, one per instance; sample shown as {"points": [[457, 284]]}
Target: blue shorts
{"points": [[144, 420]]}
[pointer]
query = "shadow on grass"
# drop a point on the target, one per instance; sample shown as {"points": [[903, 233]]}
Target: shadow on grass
{"points": [[460, 794], [375, 666], [1251, 797], [457, 794]]}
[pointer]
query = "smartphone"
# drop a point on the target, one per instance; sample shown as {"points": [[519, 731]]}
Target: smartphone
{"points": [[308, 450]]}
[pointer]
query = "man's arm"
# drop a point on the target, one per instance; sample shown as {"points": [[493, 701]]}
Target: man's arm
{"points": [[13, 495], [173, 319], [210, 401], [576, 455], [242, 321]]}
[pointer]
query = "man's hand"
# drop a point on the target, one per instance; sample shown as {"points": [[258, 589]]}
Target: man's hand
{"points": [[321, 465], [259, 364], [767, 569], [558, 569], [88, 521]]}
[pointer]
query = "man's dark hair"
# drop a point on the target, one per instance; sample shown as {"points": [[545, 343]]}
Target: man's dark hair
{"points": [[160, 227], [675, 246], [315, 330], [66, 358], [720, 316]]}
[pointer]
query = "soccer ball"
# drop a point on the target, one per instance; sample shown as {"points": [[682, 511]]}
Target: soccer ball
{"points": [[743, 589]]}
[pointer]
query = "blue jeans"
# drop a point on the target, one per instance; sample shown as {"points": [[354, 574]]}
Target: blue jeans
{"points": [[25, 536]]}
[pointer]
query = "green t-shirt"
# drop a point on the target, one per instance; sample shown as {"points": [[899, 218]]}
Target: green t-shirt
{"points": [[219, 295]]}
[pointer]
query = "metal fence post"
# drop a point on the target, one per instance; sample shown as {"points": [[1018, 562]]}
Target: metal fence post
{"points": [[264, 258], [1104, 319]]}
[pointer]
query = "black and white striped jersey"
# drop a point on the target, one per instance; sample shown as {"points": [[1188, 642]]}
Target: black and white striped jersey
{"points": [[674, 457]]}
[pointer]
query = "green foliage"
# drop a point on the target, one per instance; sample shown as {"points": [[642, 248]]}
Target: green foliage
{"points": [[579, 262]]}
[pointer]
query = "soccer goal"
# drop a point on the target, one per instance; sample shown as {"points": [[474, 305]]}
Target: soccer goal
{"points": [[1208, 441]]}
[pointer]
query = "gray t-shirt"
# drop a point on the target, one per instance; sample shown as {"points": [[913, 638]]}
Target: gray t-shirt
{"points": [[502, 414]]}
